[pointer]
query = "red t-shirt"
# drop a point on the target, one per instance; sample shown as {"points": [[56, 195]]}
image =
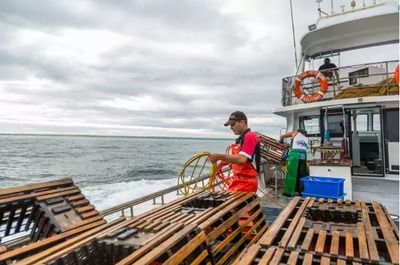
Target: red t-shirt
{"points": [[249, 146]]}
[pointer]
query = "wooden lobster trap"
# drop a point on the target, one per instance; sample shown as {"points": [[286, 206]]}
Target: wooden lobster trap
{"points": [[356, 231], [40, 211], [236, 225], [230, 221], [174, 244], [259, 255], [271, 149]]}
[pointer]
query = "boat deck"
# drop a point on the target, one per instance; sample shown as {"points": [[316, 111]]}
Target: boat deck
{"points": [[385, 191]]}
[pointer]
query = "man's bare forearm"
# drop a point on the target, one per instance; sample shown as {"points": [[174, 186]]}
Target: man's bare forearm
{"points": [[235, 159]]}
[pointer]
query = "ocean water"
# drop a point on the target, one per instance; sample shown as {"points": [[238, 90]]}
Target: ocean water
{"points": [[109, 170]]}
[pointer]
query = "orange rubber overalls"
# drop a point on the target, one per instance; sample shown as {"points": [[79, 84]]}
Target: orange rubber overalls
{"points": [[244, 177]]}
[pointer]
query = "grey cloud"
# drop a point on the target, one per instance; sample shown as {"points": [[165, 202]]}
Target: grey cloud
{"points": [[238, 72]]}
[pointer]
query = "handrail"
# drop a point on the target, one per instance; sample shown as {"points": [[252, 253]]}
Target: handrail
{"points": [[334, 86], [151, 196]]}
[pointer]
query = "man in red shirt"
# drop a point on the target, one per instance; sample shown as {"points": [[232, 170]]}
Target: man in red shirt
{"points": [[244, 157]]}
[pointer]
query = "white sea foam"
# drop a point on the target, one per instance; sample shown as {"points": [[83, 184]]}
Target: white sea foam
{"points": [[105, 196]]}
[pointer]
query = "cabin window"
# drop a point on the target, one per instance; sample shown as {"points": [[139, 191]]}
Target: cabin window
{"points": [[362, 123], [310, 124], [376, 122], [334, 127]]}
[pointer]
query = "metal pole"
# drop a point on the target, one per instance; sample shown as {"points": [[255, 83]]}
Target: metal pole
{"points": [[331, 6], [294, 36]]}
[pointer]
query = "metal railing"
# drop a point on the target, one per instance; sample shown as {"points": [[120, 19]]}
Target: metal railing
{"points": [[349, 77]]}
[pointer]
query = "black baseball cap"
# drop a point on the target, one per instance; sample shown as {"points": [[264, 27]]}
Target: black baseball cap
{"points": [[236, 116]]}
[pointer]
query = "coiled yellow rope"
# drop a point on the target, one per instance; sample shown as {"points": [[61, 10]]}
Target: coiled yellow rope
{"points": [[193, 171]]}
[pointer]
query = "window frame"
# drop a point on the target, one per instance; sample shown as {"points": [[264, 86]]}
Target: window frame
{"points": [[310, 117]]}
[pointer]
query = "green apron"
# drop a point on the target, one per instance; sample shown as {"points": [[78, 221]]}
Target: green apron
{"points": [[292, 171]]}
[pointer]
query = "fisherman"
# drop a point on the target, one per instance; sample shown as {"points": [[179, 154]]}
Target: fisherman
{"points": [[297, 162], [244, 157], [329, 69]]}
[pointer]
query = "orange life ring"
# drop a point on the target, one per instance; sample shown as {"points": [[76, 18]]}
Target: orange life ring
{"points": [[323, 83], [396, 74]]}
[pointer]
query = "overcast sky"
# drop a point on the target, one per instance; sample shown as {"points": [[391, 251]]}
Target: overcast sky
{"points": [[148, 67]]}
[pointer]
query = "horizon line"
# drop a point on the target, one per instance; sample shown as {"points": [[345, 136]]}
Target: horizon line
{"points": [[116, 136]]}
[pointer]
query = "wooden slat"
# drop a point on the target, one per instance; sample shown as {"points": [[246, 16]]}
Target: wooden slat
{"points": [[89, 214], [349, 245], [277, 257], [3, 249], [63, 193], [392, 243], [234, 218], [199, 260], [319, 248], [84, 209], [373, 252], [159, 250], [307, 259], [75, 198], [334, 251], [229, 239], [293, 258], [307, 240], [231, 252], [149, 246], [341, 262], [188, 248], [274, 229], [31, 187], [293, 224], [79, 203], [51, 193], [75, 242], [248, 255], [266, 258], [296, 235], [47, 242], [325, 261], [362, 242]]}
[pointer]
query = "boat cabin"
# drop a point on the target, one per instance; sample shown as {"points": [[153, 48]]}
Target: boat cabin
{"points": [[358, 109]]}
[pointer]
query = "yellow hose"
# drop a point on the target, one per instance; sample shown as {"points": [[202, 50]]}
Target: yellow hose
{"points": [[189, 185]]}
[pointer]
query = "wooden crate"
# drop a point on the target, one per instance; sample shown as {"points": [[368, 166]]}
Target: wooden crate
{"points": [[194, 209], [175, 244], [180, 244], [204, 228], [271, 149], [39, 211], [259, 255], [235, 226], [357, 231]]}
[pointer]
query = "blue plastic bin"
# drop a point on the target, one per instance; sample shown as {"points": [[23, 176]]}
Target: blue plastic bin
{"points": [[323, 187]]}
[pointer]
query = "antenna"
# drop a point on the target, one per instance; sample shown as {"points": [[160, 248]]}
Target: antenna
{"points": [[294, 37]]}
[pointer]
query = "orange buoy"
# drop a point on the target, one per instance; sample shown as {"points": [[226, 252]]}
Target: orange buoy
{"points": [[316, 96]]}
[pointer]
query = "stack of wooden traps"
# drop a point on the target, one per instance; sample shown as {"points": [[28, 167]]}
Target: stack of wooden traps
{"points": [[203, 228], [41, 215], [271, 149], [310, 231]]}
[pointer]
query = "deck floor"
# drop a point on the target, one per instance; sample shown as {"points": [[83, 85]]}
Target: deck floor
{"points": [[385, 191]]}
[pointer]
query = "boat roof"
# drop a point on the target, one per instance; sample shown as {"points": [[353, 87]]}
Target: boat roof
{"points": [[369, 26], [392, 100]]}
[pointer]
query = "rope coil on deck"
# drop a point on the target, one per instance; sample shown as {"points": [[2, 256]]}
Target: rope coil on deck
{"points": [[197, 164]]}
